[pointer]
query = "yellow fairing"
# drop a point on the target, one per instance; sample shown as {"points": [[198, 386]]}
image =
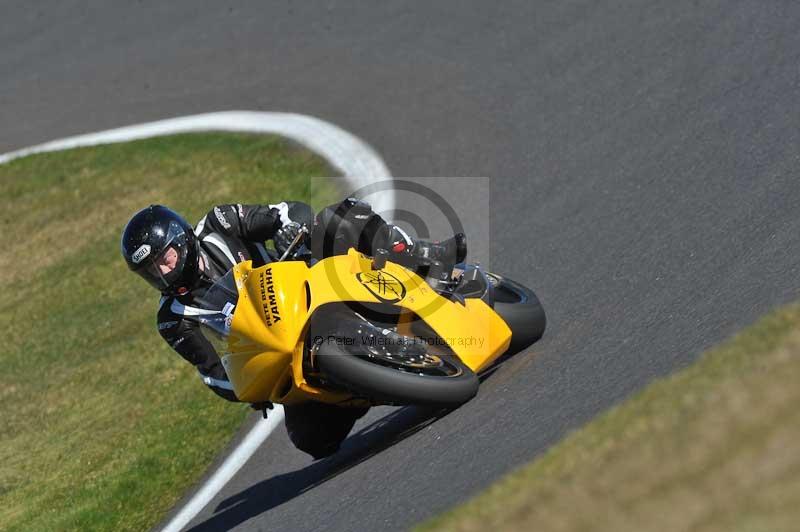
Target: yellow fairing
{"points": [[264, 361]]}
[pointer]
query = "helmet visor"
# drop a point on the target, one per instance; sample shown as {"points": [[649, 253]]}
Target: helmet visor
{"points": [[162, 270]]}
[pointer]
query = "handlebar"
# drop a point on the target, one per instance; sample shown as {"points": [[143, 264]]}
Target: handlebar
{"points": [[303, 231]]}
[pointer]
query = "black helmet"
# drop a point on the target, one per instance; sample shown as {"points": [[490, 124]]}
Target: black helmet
{"points": [[158, 236]]}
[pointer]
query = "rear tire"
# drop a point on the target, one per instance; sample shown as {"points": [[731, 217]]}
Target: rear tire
{"points": [[386, 384], [520, 309]]}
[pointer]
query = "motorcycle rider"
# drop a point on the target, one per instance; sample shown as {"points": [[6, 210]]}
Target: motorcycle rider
{"points": [[183, 262]]}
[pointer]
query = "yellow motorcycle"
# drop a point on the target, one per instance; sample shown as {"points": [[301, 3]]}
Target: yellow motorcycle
{"points": [[353, 330]]}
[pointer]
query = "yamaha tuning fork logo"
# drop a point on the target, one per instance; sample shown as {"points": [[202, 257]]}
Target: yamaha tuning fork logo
{"points": [[385, 286]]}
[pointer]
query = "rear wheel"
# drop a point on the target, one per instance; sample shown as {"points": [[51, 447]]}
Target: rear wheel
{"points": [[390, 368], [520, 309]]}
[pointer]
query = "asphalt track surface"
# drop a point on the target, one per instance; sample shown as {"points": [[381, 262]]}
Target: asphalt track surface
{"points": [[643, 159]]}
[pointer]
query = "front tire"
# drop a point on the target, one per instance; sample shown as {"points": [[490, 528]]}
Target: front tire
{"points": [[383, 383], [520, 309]]}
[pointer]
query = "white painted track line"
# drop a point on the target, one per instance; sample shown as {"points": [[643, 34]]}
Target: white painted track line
{"points": [[260, 432], [353, 157]]}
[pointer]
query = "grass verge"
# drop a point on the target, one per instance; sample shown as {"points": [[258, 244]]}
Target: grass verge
{"points": [[712, 448], [104, 426]]}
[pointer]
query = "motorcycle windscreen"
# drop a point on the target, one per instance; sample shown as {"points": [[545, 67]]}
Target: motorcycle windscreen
{"points": [[220, 300]]}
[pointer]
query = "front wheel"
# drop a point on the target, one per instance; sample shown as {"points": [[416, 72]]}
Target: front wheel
{"points": [[398, 370], [520, 309]]}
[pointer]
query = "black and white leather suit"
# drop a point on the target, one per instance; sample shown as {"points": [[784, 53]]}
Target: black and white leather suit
{"points": [[227, 235]]}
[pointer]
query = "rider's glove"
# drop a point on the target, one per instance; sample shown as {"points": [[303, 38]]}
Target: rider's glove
{"points": [[282, 211], [285, 235]]}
